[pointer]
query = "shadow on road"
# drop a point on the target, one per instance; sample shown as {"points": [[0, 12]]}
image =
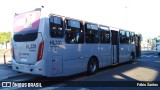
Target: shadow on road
{"points": [[143, 70]]}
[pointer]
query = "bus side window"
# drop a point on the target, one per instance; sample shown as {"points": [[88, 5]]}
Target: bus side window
{"points": [[74, 32], [132, 38], [91, 33], [104, 36], [56, 27], [128, 37], [122, 36]]}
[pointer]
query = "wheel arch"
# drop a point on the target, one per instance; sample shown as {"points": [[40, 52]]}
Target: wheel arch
{"points": [[96, 59], [133, 54]]}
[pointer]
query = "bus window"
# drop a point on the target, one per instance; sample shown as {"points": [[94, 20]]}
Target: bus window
{"points": [[132, 38], [91, 33], [56, 27], [122, 36], [74, 32], [127, 37], [104, 34]]}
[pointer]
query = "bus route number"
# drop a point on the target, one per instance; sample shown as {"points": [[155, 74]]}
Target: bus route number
{"points": [[30, 46]]}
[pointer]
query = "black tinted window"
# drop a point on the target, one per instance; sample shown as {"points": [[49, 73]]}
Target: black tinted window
{"points": [[122, 36], [125, 37], [132, 38], [104, 34], [128, 37], [25, 37], [74, 32], [91, 33], [56, 27]]}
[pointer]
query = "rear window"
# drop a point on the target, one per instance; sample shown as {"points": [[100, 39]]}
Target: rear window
{"points": [[26, 26]]}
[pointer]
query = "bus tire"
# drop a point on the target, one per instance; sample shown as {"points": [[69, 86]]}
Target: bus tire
{"points": [[132, 57], [92, 66]]}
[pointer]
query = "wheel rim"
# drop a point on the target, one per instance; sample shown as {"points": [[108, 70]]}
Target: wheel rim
{"points": [[93, 66]]}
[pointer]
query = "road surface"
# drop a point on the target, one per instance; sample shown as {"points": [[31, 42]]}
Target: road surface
{"points": [[120, 77]]}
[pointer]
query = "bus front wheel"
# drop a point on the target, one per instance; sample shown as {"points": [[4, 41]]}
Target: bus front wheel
{"points": [[92, 66]]}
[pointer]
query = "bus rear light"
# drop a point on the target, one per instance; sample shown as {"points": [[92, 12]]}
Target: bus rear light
{"points": [[12, 50], [40, 50]]}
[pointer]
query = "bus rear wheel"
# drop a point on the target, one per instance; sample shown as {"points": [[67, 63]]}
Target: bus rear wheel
{"points": [[92, 66], [132, 57]]}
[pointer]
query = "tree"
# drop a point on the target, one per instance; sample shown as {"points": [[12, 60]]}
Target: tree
{"points": [[1, 38], [5, 38]]}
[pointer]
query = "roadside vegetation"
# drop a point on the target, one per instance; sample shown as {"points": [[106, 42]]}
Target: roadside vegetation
{"points": [[4, 40]]}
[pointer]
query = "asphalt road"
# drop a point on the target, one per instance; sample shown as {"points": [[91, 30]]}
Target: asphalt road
{"points": [[120, 77]]}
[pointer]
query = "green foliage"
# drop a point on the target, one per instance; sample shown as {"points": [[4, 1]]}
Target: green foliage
{"points": [[5, 37]]}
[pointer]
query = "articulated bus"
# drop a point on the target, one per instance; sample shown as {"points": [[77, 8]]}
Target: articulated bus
{"points": [[52, 45]]}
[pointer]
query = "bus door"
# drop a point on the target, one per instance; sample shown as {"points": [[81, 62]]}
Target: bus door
{"points": [[115, 47]]}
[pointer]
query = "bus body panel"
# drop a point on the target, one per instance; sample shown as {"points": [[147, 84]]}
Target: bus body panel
{"points": [[77, 63], [106, 54], [75, 54], [125, 52], [158, 47]]}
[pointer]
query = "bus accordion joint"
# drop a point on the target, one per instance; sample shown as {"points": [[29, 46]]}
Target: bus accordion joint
{"points": [[40, 50]]}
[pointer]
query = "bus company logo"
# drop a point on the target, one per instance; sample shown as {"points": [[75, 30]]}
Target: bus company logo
{"points": [[6, 84]]}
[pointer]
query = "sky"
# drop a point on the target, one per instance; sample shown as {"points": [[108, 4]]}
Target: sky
{"points": [[141, 16]]}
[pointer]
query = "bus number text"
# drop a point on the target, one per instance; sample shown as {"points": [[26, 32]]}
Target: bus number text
{"points": [[30, 46]]}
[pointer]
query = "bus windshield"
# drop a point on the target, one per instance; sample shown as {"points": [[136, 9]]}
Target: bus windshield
{"points": [[26, 24]]}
